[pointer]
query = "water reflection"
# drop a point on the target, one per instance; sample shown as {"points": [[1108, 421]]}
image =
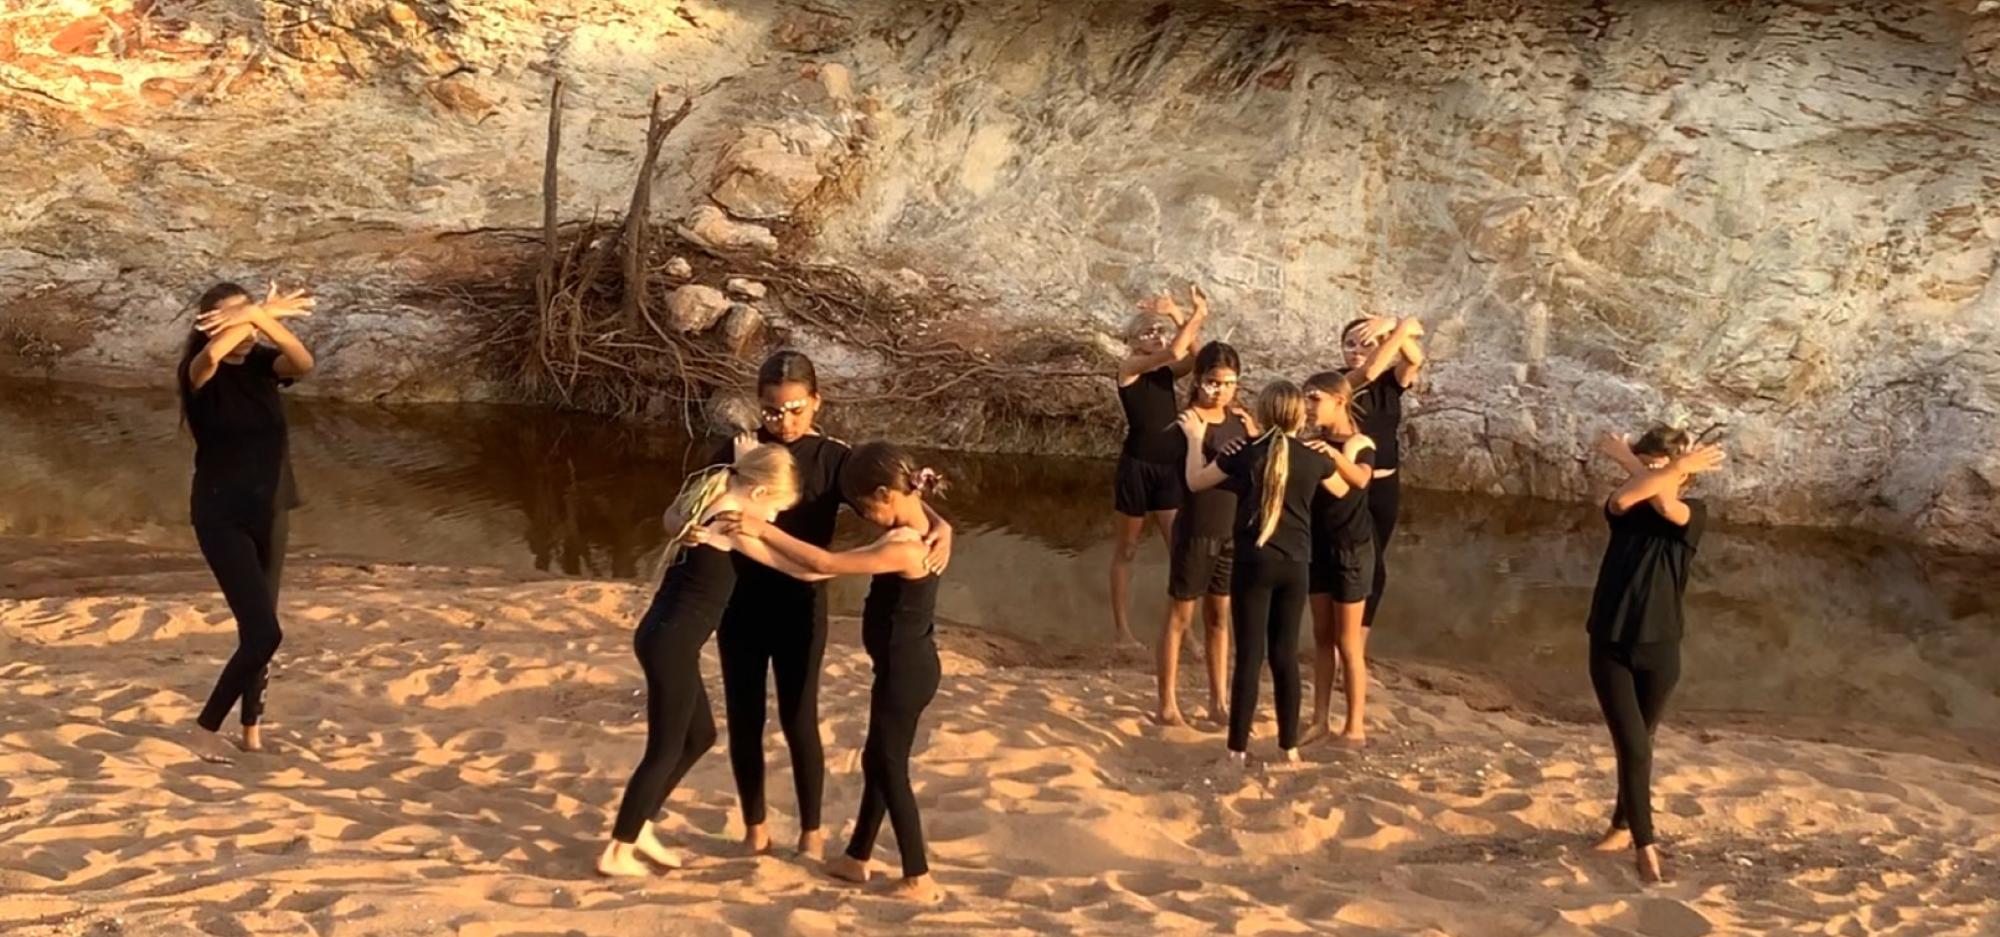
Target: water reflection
{"points": [[1787, 621]]}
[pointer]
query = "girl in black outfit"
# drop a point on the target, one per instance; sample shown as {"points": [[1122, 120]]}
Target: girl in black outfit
{"points": [[1149, 486], [686, 609], [897, 630], [776, 624], [1343, 557], [242, 475], [1202, 547], [1384, 357], [1635, 617], [1274, 479]]}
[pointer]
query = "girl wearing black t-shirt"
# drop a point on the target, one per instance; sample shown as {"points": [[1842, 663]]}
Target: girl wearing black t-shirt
{"points": [[1343, 557], [1198, 570], [242, 474], [1635, 616], [1383, 358], [1148, 488]]}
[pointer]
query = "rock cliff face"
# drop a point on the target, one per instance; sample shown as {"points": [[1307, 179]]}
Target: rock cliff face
{"points": [[1775, 216]]}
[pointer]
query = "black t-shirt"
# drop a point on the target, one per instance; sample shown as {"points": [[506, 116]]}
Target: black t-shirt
{"points": [[1380, 405], [1343, 521], [820, 460], [1292, 541], [1644, 575], [1150, 412], [242, 464], [1211, 514]]}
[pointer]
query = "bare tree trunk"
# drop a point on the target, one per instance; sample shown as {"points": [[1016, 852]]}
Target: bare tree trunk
{"points": [[657, 128], [545, 281]]}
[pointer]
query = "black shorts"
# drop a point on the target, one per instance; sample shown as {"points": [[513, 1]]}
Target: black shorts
{"points": [[1345, 571], [1200, 566], [1145, 487]]}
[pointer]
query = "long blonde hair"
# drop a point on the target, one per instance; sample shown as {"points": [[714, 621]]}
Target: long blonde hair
{"points": [[767, 467], [1282, 409]]}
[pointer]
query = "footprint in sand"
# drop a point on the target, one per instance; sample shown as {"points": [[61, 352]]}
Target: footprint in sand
{"points": [[1154, 884], [1665, 917]]}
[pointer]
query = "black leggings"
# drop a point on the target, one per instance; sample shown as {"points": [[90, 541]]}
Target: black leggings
{"points": [[787, 640], [906, 680], [1632, 687], [1385, 501], [680, 726], [248, 559], [1265, 602]]}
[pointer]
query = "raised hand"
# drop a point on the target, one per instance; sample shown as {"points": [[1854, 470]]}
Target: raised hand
{"points": [[1198, 299], [1377, 329], [743, 443], [286, 305], [1705, 458], [1615, 446]]}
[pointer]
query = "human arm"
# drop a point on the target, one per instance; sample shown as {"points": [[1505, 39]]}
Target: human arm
{"points": [[1357, 469], [227, 328], [758, 549], [1392, 351], [1665, 481], [1201, 473], [1615, 447], [1179, 353], [938, 541], [891, 554]]}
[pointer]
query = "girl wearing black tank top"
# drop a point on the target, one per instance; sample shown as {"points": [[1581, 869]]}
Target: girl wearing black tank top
{"points": [[695, 584], [1199, 568], [887, 488], [1635, 616], [1148, 486], [1383, 357], [242, 477], [1343, 558]]}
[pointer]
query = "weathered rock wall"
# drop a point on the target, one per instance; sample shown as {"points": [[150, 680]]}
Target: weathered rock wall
{"points": [[1770, 215]]}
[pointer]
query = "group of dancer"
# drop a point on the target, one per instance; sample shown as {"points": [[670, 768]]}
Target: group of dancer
{"points": [[1264, 511]]}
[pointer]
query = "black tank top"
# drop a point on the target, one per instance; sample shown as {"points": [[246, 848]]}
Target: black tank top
{"points": [[1381, 408], [1150, 412], [1211, 514], [897, 612], [692, 596], [242, 466], [1343, 521]]}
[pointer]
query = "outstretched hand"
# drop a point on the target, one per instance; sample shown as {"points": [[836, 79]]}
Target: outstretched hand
{"points": [[1198, 299], [1616, 446], [1700, 459], [286, 305]]}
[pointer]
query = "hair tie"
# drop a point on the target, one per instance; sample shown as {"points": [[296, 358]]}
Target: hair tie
{"points": [[930, 481]]}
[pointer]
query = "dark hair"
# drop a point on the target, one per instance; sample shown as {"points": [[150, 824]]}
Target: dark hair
{"points": [[788, 367], [878, 465], [1663, 441], [1349, 328], [1335, 382], [1211, 356], [198, 339]]}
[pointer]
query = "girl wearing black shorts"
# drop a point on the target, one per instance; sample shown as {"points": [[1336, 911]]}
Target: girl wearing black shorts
{"points": [[1149, 486]]}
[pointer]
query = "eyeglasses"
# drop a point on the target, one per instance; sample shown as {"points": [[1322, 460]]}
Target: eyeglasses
{"points": [[789, 408]]}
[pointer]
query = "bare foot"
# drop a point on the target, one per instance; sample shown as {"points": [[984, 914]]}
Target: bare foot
{"points": [[1319, 729], [253, 738], [207, 746], [1170, 717], [812, 843], [1355, 737], [847, 868], [1127, 639], [649, 845], [921, 889], [1217, 713], [1616, 840], [756, 839], [1651, 871], [620, 860]]}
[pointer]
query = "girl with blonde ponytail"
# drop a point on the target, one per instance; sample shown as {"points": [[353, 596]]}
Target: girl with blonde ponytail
{"points": [[698, 576], [1274, 479]]}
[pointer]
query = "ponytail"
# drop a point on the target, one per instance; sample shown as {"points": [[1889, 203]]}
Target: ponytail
{"points": [[1277, 465]]}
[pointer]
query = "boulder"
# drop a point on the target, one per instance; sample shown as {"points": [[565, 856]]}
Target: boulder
{"points": [[695, 308]]}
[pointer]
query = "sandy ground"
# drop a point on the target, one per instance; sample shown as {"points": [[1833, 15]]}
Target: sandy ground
{"points": [[447, 745]]}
